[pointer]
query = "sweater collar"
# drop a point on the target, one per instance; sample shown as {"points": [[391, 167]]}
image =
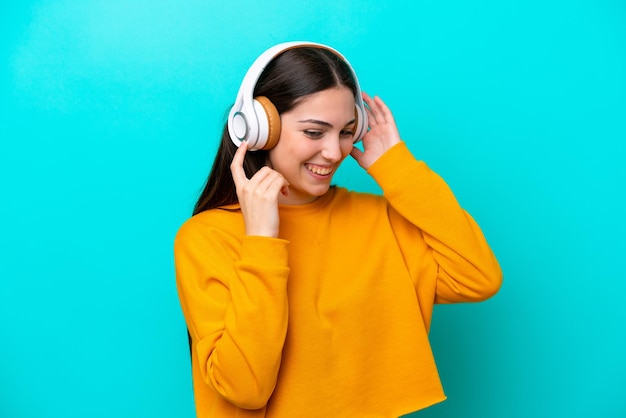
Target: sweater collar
{"points": [[308, 208]]}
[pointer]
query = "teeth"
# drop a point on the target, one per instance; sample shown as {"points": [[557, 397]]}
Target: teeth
{"points": [[319, 170]]}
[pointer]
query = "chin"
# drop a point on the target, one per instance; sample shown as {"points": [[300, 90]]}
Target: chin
{"points": [[319, 191]]}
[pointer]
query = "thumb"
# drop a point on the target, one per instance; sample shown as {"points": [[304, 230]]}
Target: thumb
{"points": [[357, 154]]}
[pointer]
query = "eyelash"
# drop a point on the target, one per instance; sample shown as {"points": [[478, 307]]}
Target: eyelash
{"points": [[313, 134], [318, 134]]}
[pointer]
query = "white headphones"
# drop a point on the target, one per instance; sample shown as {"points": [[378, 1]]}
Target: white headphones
{"points": [[256, 120]]}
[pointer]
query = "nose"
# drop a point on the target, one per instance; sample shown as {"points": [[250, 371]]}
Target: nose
{"points": [[331, 150]]}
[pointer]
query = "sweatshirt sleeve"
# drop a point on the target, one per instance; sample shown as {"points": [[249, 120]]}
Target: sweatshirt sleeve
{"points": [[233, 293], [466, 268]]}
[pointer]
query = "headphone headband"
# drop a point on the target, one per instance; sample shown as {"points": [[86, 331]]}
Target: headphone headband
{"points": [[250, 120]]}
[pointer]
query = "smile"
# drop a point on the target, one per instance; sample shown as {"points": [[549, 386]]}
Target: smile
{"points": [[316, 169]]}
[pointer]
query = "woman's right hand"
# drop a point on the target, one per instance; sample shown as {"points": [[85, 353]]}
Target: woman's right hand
{"points": [[258, 196]]}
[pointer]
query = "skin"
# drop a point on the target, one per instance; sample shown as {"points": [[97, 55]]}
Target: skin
{"points": [[316, 136]]}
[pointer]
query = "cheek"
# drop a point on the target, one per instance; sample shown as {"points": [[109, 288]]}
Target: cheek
{"points": [[278, 153], [346, 147], [281, 157], [273, 161]]}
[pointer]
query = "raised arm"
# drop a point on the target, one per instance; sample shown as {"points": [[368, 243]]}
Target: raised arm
{"points": [[466, 268]]}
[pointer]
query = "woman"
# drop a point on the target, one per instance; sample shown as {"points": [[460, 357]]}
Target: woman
{"points": [[304, 299]]}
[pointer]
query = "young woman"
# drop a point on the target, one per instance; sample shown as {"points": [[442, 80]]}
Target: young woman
{"points": [[304, 299]]}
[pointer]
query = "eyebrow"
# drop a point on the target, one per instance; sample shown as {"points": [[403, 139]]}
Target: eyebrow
{"points": [[322, 123]]}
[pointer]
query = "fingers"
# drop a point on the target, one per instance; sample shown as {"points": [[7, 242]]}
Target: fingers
{"points": [[358, 156], [267, 182], [384, 110], [236, 166], [377, 110]]}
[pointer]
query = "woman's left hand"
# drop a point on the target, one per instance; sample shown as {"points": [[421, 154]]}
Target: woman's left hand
{"points": [[383, 133]]}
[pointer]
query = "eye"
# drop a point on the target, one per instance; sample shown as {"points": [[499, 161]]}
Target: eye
{"points": [[346, 133], [312, 134]]}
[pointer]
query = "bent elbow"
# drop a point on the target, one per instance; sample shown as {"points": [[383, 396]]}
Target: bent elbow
{"points": [[490, 283], [254, 399], [244, 390]]}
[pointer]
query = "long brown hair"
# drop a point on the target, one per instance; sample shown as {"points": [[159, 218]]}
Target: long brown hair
{"points": [[286, 80]]}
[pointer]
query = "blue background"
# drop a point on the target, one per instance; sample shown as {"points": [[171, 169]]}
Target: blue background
{"points": [[110, 115]]}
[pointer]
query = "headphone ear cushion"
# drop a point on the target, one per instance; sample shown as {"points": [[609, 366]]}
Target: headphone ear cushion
{"points": [[270, 125]]}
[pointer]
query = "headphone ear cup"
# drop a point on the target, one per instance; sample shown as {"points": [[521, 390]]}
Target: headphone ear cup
{"points": [[360, 123], [269, 123], [357, 121]]}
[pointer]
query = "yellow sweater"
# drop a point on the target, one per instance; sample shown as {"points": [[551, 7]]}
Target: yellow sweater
{"points": [[331, 319]]}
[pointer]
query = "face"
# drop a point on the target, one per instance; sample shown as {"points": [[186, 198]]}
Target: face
{"points": [[316, 135]]}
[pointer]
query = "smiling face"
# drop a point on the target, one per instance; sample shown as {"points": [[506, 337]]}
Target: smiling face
{"points": [[316, 135]]}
